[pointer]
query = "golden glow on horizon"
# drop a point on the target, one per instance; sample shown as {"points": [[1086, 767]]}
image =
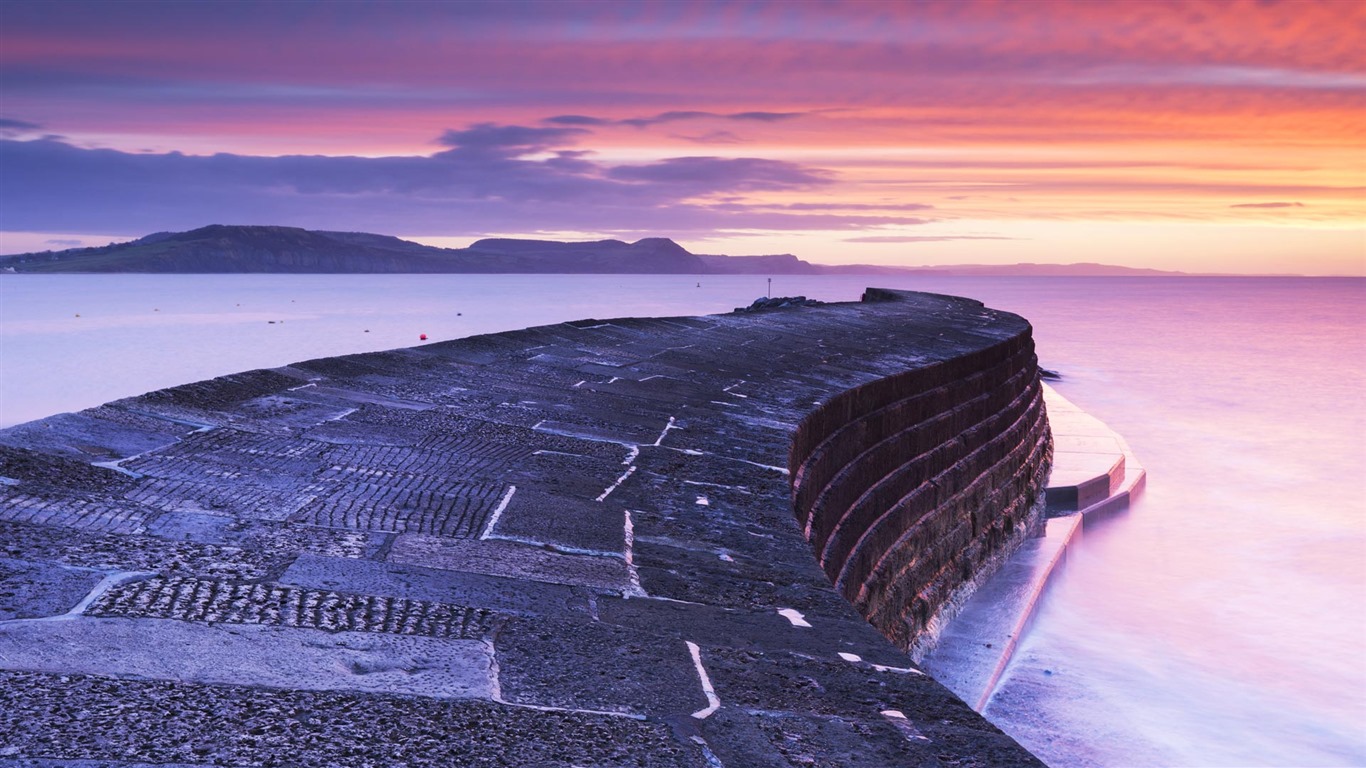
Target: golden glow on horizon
{"points": [[1035, 131]]}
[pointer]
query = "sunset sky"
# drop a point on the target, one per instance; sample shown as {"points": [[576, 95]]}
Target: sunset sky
{"points": [[1213, 137]]}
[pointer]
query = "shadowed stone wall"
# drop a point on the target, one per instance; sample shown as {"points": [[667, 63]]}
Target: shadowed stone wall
{"points": [[912, 488]]}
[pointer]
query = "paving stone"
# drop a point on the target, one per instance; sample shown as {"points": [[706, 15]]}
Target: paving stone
{"points": [[35, 590], [251, 654], [784, 740], [513, 560], [161, 722], [585, 665], [97, 434], [496, 593], [397, 502], [751, 630], [562, 521], [206, 600], [134, 553]]}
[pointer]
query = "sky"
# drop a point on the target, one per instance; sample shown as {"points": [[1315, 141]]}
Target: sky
{"points": [[1209, 137]]}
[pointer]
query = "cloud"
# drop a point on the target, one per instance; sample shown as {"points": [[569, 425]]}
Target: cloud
{"points": [[513, 140], [674, 117], [576, 120], [856, 207], [747, 173], [711, 137], [491, 178], [921, 238], [1268, 205], [14, 128]]}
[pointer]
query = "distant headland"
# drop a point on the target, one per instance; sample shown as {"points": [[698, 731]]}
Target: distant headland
{"points": [[220, 248]]}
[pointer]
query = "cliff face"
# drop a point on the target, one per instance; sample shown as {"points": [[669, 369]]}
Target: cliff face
{"points": [[222, 248]]}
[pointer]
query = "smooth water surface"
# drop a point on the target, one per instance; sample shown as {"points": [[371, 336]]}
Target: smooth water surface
{"points": [[1222, 622]]}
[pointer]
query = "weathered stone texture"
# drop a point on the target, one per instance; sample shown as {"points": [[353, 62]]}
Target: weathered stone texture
{"points": [[563, 546], [911, 487]]}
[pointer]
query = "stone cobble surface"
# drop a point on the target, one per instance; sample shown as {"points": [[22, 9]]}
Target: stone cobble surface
{"points": [[564, 546]]}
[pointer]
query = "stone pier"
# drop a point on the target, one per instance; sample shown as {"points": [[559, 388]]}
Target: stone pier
{"points": [[704, 541]]}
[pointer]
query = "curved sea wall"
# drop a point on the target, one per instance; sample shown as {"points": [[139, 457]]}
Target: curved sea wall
{"points": [[565, 545], [913, 487]]}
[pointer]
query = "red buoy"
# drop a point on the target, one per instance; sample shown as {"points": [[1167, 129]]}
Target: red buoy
{"points": [[422, 337]]}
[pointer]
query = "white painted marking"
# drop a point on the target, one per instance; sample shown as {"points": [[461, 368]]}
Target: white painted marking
{"points": [[702, 501], [581, 383], [302, 386], [631, 456], [632, 575], [782, 470], [898, 670], [106, 584], [656, 376], [795, 616], [498, 511], [728, 405], [667, 427], [717, 485], [558, 549], [856, 659], [114, 465], [343, 414], [903, 724], [713, 703], [613, 486], [614, 380]]}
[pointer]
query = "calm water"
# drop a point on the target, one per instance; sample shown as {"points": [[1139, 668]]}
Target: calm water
{"points": [[1221, 623]]}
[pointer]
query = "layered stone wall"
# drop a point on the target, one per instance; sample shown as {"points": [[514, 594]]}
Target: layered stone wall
{"points": [[913, 487]]}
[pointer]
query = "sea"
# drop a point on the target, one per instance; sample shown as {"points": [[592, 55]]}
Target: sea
{"points": [[1220, 622]]}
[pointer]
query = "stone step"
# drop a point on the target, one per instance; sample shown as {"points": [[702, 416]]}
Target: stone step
{"points": [[1094, 475]]}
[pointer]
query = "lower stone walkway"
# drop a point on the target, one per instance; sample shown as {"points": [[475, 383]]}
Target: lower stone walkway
{"points": [[1095, 474], [564, 546]]}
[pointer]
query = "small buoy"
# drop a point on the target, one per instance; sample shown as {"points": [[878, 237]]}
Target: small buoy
{"points": [[367, 330], [458, 314], [422, 337], [156, 310], [78, 314]]}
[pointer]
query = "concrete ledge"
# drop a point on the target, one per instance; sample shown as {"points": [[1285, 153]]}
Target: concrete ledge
{"points": [[563, 546], [977, 646]]}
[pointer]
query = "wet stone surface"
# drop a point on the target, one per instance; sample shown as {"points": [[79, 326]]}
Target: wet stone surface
{"points": [[562, 546]]}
